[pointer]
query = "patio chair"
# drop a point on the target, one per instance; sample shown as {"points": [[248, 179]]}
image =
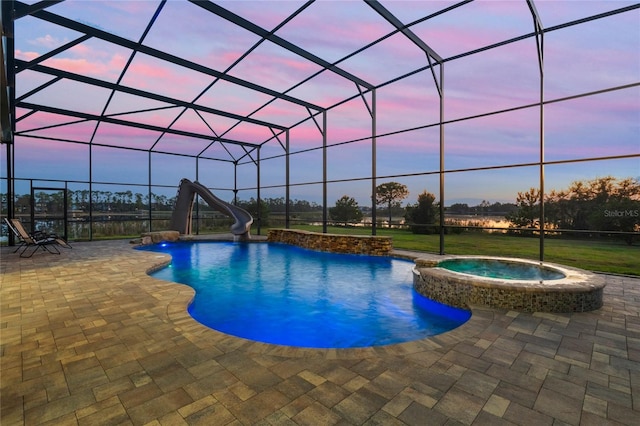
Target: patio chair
{"points": [[42, 235], [36, 240]]}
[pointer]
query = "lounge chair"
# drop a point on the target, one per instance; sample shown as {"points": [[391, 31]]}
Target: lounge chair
{"points": [[41, 235], [37, 240]]}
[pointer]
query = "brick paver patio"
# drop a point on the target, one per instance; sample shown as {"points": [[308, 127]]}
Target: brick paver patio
{"points": [[89, 338]]}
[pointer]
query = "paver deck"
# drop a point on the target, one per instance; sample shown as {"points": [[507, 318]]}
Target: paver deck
{"points": [[89, 338]]}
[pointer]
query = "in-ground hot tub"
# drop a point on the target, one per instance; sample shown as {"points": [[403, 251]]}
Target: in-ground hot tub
{"points": [[516, 284]]}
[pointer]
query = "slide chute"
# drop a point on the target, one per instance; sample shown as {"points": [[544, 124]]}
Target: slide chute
{"points": [[183, 210]]}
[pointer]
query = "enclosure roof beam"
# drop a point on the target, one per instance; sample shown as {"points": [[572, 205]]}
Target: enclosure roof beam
{"points": [[268, 35], [7, 62], [391, 18], [120, 41], [108, 119], [53, 53], [539, 30], [149, 95], [21, 12]]}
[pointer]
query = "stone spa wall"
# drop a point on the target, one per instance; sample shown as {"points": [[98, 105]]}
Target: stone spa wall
{"points": [[579, 291], [336, 243]]}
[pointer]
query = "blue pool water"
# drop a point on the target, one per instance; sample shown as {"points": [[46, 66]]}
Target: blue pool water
{"points": [[286, 295], [506, 270]]}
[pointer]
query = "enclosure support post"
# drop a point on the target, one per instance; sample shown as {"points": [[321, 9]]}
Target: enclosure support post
{"points": [[324, 171], [10, 188], [441, 93], [235, 182], [65, 206], [91, 193], [537, 23], [287, 197], [8, 102], [258, 199], [197, 203], [542, 189], [374, 156], [149, 191]]}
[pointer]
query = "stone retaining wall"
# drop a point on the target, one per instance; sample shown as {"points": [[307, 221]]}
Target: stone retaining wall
{"points": [[336, 243], [155, 237]]}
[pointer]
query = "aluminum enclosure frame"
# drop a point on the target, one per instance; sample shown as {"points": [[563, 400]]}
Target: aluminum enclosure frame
{"points": [[13, 10]]}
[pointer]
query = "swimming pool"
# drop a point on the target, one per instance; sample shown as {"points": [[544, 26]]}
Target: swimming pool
{"points": [[286, 295]]}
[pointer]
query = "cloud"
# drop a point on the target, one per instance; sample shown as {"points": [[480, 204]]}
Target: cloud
{"points": [[78, 66], [144, 71], [47, 41], [340, 33], [26, 56], [160, 77]]}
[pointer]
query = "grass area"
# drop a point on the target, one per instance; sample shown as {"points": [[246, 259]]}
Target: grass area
{"points": [[599, 255]]}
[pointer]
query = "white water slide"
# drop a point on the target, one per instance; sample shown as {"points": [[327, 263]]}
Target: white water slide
{"points": [[183, 210]]}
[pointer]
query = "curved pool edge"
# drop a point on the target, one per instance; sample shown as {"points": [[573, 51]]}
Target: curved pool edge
{"points": [[578, 291], [481, 318], [176, 311]]}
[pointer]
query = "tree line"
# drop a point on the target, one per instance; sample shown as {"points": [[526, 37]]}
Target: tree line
{"points": [[601, 204], [128, 201]]}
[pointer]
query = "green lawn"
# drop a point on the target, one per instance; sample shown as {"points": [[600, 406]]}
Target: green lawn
{"points": [[596, 255]]}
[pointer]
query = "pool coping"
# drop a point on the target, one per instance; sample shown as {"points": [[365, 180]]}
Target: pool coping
{"points": [[177, 311], [482, 313]]}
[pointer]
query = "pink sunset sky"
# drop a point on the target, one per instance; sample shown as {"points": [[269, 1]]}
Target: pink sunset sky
{"points": [[591, 57]]}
